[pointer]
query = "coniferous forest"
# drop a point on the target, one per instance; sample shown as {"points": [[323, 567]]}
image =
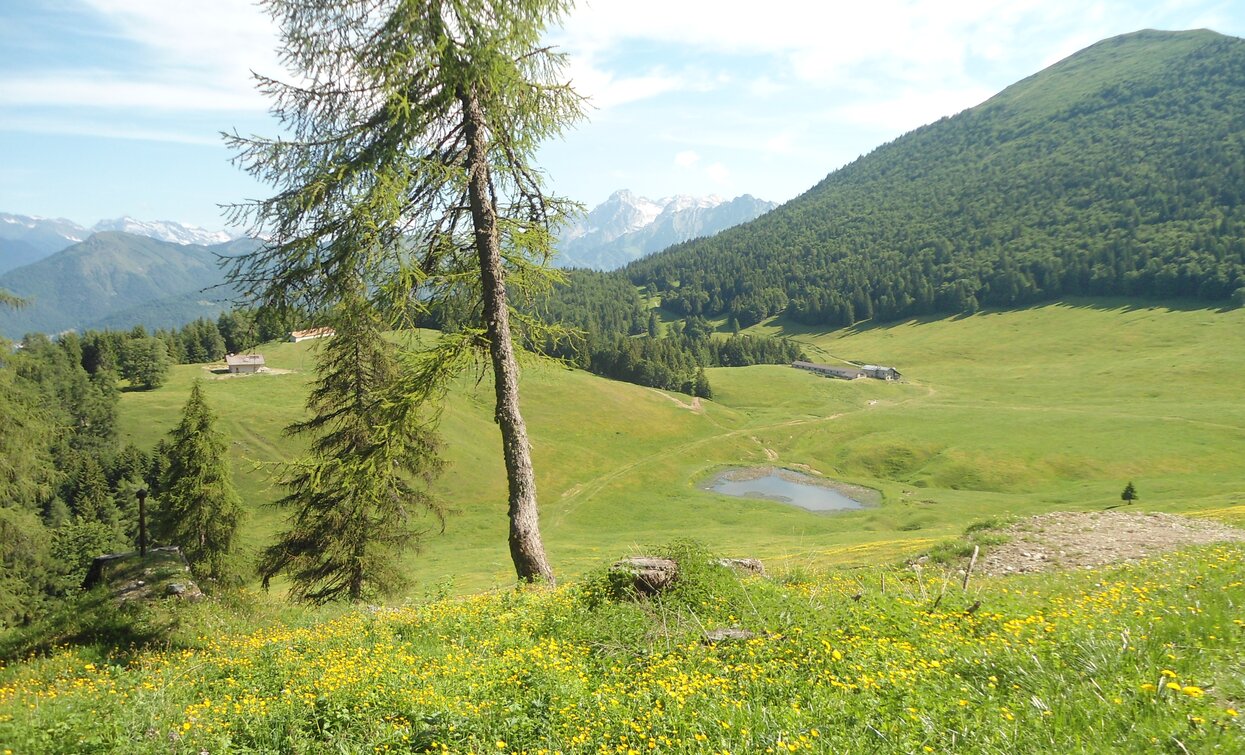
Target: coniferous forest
{"points": [[1118, 172]]}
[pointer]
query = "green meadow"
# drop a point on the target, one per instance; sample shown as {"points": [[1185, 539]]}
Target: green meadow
{"points": [[1054, 407], [1141, 657]]}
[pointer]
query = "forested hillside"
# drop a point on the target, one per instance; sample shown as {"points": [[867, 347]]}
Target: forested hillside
{"points": [[1117, 171], [616, 334], [120, 280]]}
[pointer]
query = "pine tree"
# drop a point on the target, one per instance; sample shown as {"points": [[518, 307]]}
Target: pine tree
{"points": [[417, 178], [199, 509], [27, 431], [145, 362], [1130, 493], [354, 499], [88, 494], [700, 386]]}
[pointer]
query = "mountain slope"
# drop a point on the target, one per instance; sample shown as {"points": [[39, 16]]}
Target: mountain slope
{"points": [[1118, 171], [109, 273], [24, 239], [626, 227]]}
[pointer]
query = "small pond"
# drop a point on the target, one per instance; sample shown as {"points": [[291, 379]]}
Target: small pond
{"points": [[794, 488]]}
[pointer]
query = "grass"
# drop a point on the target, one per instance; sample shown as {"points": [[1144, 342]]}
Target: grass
{"points": [[1003, 414], [1145, 657]]}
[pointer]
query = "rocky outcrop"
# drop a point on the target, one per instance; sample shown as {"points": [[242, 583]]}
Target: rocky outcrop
{"points": [[162, 573]]}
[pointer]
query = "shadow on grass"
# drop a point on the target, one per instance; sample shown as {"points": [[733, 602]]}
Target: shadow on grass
{"points": [[1103, 304], [92, 618]]}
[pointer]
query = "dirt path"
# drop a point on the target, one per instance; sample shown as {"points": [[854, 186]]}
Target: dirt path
{"points": [[217, 373], [1068, 540], [694, 405]]}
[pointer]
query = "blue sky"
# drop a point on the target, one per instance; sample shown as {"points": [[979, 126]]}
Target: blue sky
{"points": [[112, 107]]}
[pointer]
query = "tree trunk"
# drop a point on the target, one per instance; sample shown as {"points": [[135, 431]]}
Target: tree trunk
{"points": [[526, 549]]}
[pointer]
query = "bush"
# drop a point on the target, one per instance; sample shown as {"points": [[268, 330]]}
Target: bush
{"points": [[976, 535]]}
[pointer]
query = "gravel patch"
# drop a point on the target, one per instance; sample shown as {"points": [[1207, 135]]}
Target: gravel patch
{"points": [[1069, 540]]}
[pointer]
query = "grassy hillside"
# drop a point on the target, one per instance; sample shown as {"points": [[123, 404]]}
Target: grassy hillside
{"points": [[1054, 407]]}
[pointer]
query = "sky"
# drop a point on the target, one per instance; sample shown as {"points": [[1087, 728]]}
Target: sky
{"points": [[115, 107]]}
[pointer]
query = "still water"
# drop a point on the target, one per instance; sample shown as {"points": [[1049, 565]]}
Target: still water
{"points": [[784, 486]]}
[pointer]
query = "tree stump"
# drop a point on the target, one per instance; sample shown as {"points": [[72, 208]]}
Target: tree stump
{"points": [[648, 575]]}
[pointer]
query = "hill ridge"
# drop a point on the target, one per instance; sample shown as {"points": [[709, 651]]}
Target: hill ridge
{"points": [[1100, 175], [114, 272]]}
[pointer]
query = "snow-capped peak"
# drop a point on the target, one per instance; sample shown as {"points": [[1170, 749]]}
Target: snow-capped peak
{"points": [[627, 226], [681, 202], [164, 230]]}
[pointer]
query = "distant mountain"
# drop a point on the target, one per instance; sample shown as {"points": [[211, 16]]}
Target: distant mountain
{"points": [[119, 279], [165, 230], [1119, 171], [168, 312], [626, 227], [24, 239]]}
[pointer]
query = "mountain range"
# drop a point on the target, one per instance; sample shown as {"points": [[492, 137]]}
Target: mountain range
{"points": [[626, 226], [25, 239], [124, 272], [1118, 171]]}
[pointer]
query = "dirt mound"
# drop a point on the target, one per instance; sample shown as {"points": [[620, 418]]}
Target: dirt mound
{"points": [[1068, 540]]}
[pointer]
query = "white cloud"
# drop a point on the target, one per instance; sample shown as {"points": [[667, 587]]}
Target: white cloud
{"points": [[230, 37], [686, 158], [606, 90], [719, 174], [914, 41], [906, 110], [195, 56], [781, 143], [764, 86], [100, 89], [92, 127]]}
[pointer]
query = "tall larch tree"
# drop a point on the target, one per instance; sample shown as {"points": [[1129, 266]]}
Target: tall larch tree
{"points": [[357, 498], [407, 163], [198, 507]]}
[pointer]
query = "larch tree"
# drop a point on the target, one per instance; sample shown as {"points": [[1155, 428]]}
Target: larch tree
{"points": [[198, 507], [407, 163], [353, 503], [145, 362]]}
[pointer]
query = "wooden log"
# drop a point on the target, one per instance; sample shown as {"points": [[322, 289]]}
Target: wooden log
{"points": [[971, 563], [749, 565]]}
